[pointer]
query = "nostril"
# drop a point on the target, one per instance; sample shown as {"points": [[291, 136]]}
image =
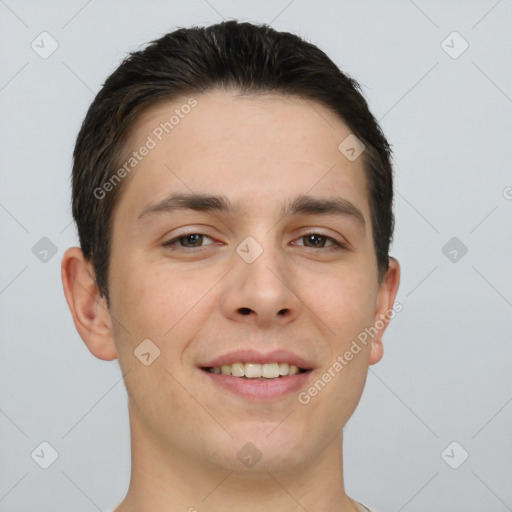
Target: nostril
{"points": [[245, 311]]}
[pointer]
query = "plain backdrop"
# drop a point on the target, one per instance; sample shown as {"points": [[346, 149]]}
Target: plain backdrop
{"points": [[437, 75]]}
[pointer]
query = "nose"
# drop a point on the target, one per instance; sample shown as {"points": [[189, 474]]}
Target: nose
{"points": [[261, 292]]}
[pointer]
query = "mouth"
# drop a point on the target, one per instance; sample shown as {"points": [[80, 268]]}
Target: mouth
{"points": [[258, 376], [257, 382], [256, 371]]}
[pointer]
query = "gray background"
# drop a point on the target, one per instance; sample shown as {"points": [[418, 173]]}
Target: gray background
{"points": [[446, 374]]}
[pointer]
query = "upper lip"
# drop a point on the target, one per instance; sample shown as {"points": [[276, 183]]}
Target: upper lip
{"points": [[254, 356]]}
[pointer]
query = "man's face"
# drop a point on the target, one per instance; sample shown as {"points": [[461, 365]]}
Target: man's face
{"points": [[288, 287]]}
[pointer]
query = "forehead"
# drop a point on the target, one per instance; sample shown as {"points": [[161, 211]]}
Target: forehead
{"points": [[254, 148]]}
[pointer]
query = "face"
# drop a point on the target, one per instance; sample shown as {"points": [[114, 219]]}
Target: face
{"points": [[256, 267]]}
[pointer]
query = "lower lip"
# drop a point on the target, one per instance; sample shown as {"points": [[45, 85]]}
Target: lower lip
{"points": [[259, 389]]}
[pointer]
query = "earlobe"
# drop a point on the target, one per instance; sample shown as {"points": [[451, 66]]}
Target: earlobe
{"points": [[90, 314], [385, 308]]}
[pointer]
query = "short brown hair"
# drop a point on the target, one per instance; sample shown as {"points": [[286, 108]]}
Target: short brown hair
{"points": [[241, 56]]}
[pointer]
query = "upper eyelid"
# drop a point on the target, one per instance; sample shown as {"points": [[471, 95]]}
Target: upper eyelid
{"points": [[309, 230]]}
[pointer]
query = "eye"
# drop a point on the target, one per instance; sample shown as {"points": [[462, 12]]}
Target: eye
{"points": [[188, 241], [318, 241], [313, 240]]}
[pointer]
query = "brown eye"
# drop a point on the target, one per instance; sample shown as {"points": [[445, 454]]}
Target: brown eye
{"points": [[319, 241], [187, 241], [315, 240], [192, 240]]}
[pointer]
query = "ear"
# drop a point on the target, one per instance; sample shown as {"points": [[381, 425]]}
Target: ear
{"points": [[89, 310], [386, 308]]}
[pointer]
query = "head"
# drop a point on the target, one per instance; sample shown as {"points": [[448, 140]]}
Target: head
{"points": [[252, 131]]}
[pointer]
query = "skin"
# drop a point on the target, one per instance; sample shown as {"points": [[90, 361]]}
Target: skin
{"points": [[259, 151]]}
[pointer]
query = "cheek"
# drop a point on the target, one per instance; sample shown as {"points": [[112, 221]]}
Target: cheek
{"points": [[344, 302], [346, 305], [154, 301]]}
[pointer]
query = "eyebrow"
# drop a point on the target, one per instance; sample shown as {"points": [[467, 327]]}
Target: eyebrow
{"points": [[302, 204]]}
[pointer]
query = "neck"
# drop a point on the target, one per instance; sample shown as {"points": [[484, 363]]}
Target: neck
{"points": [[167, 480]]}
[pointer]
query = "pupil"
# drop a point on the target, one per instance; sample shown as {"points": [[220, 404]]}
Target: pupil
{"points": [[314, 239], [193, 239]]}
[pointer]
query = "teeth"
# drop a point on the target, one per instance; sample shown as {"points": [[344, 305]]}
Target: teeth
{"points": [[237, 370], [270, 370], [252, 370], [256, 370]]}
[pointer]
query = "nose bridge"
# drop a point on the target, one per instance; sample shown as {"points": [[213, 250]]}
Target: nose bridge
{"points": [[260, 262], [259, 288]]}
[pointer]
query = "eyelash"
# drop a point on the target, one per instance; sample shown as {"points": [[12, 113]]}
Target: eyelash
{"points": [[171, 244]]}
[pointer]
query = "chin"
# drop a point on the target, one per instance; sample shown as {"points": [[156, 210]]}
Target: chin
{"points": [[258, 450]]}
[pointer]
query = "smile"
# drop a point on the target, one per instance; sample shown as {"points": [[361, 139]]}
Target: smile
{"points": [[267, 371], [248, 380]]}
